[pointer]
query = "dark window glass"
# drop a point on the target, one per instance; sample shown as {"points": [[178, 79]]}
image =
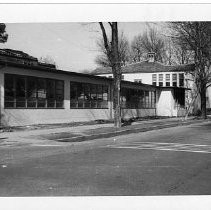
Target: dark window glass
{"points": [[105, 93], [174, 80], [88, 95], [167, 84], [20, 87], [160, 84], [73, 91], [41, 88], [20, 92], [33, 92], [136, 99], [154, 83], [59, 90], [51, 89], [93, 92], [9, 86], [31, 87], [174, 84], [153, 99], [181, 80]]}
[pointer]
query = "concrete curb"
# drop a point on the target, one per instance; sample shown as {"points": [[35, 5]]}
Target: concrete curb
{"points": [[127, 131]]}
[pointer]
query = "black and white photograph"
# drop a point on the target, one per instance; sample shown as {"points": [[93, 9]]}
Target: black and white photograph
{"points": [[107, 107]]}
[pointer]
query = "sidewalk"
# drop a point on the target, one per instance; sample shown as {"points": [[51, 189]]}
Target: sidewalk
{"points": [[88, 132]]}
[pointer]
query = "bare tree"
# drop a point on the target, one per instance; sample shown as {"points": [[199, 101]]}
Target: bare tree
{"points": [[136, 49], [149, 41], [3, 34], [124, 52], [196, 36], [177, 53], [113, 56]]}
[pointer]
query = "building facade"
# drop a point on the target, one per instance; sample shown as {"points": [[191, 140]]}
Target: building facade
{"points": [[157, 74], [36, 93]]}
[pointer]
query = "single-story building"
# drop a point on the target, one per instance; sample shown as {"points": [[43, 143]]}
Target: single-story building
{"points": [[32, 92]]}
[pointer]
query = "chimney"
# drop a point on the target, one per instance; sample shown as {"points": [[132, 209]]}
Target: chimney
{"points": [[151, 57]]}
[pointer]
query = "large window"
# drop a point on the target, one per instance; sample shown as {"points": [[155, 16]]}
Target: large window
{"points": [[160, 79], [181, 80], [174, 80], [88, 96], [137, 99], [167, 80], [33, 92], [154, 79]]}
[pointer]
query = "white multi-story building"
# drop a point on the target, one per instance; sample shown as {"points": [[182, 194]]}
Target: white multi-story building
{"points": [[155, 73], [37, 93]]}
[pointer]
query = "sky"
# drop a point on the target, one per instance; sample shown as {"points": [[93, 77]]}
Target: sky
{"points": [[71, 45]]}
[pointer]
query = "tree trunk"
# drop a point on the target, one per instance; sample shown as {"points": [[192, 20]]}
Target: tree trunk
{"points": [[116, 68], [117, 105], [203, 102]]}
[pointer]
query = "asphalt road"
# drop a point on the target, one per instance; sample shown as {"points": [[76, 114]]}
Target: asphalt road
{"points": [[171, 161]]}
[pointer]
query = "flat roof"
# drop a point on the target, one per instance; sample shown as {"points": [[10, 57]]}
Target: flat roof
{"points": [[58, 71]]}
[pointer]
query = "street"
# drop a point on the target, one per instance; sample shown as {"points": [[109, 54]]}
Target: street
{"points": [[170, 161]]}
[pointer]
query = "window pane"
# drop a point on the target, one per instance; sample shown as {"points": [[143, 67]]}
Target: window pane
{"points": [[154, 78], [99, 92], [150, 99], [174, 84], [174, 77], [31, 103], [181, 80], [147, 99], [20, 103], [105, 93], [73, 104], [9, 104], [59, 90], [31, 87], [73, 91], [87, 92], [167, 84], [41, 88], [9, 86], [41, 103], [59, 104], [51, 89], [20, 87], [93, 92], [32, 92], [160, 77], [51, 103], [80, 92], [167, 77]]}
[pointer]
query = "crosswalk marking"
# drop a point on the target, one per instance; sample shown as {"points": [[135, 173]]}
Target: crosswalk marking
{"points": [[163, 146]]}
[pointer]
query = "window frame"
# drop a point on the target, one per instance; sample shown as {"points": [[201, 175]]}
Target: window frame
{"points": [[97, 100], [33, 101]]}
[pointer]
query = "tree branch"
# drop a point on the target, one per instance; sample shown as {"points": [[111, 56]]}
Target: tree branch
{"points": [[105, 39]]}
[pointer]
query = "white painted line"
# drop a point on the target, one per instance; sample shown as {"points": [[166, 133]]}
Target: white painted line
{"points": [[47, 145], [166, 143], [163, 149]]}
